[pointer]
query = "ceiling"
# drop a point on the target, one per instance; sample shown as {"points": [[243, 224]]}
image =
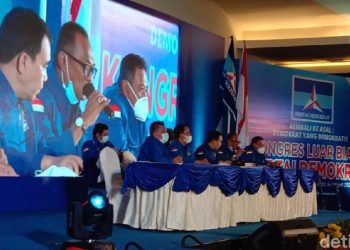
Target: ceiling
{"points": [[307, 34]]}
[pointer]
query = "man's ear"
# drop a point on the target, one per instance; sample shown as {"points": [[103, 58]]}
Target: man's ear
{"points": [[23, 62], [124, 88], [61, 60]]}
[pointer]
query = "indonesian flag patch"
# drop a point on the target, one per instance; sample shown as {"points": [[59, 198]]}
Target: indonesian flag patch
{"points": [[116, 111], [37, 105]]}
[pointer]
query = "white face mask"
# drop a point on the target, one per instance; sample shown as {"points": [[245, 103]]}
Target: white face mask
{"points": [[104, 139], [188, 139], [262, 150], [69, 90], [165, 137], [141, 106]]}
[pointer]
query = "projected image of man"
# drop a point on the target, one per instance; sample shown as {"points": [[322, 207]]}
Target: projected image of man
{"points": [[129, 101], [74, 67], [5, 168], [24, 56]]}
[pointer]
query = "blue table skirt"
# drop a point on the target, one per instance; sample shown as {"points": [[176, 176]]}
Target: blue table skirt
{"points": [[230, 179]]}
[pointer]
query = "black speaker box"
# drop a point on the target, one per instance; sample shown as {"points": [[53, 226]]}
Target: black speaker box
{"points": [[298, 234]]}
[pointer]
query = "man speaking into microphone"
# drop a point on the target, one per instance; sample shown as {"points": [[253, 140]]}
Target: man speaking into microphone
{"points": [[73, 68]]}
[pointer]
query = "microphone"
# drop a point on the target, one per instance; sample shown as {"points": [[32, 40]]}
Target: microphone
{"points": [[88, 90]]}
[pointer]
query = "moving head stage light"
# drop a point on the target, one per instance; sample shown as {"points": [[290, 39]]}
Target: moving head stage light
{"points": [[88, 222]]}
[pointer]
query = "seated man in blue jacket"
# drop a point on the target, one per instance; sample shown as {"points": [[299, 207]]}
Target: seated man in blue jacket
{"points": [[231, 149], [91, 153], [153, 148], [210, 150], [255, 152], [180, 146]]}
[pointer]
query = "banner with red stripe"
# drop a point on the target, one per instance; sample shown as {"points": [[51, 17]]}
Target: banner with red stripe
{"points": [[242, 102]]}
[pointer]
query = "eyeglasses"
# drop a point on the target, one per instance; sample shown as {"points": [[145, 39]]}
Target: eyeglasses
{"points": [[88, 69]]}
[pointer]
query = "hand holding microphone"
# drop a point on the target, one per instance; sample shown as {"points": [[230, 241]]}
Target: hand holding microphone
{"points": [[88, 90], [96, 103]]}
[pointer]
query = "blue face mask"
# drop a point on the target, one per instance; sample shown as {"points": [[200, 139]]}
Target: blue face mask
{"points": [[69, 89]]}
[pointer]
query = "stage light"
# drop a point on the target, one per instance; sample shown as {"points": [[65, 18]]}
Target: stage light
{"points": [[97, 201], [88, 222]]}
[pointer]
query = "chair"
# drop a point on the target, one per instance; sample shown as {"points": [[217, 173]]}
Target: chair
{"points": [[110, 166], [128, 158], [111, 171]]}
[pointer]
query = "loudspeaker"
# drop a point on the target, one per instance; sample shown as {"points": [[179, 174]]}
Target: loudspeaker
{"points": [[298, 234], [225, 244]]}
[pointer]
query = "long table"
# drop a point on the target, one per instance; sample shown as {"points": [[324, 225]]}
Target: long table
{"points": [[200, 197]]}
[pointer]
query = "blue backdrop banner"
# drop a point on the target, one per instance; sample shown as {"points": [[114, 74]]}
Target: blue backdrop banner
{"points": [[302, 116]]}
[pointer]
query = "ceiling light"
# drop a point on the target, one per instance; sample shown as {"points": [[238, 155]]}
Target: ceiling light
{"points": [[314, 64]]}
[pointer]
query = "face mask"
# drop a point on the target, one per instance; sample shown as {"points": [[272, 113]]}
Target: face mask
{"points": [[55, 171], [104, 139], [141, 106], [141, 109], [188, 139], [261, 150], [165, 138], [69, 90]]}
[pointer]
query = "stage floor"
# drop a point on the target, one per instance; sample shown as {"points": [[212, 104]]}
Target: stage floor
{"points": [[47, 229]]}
